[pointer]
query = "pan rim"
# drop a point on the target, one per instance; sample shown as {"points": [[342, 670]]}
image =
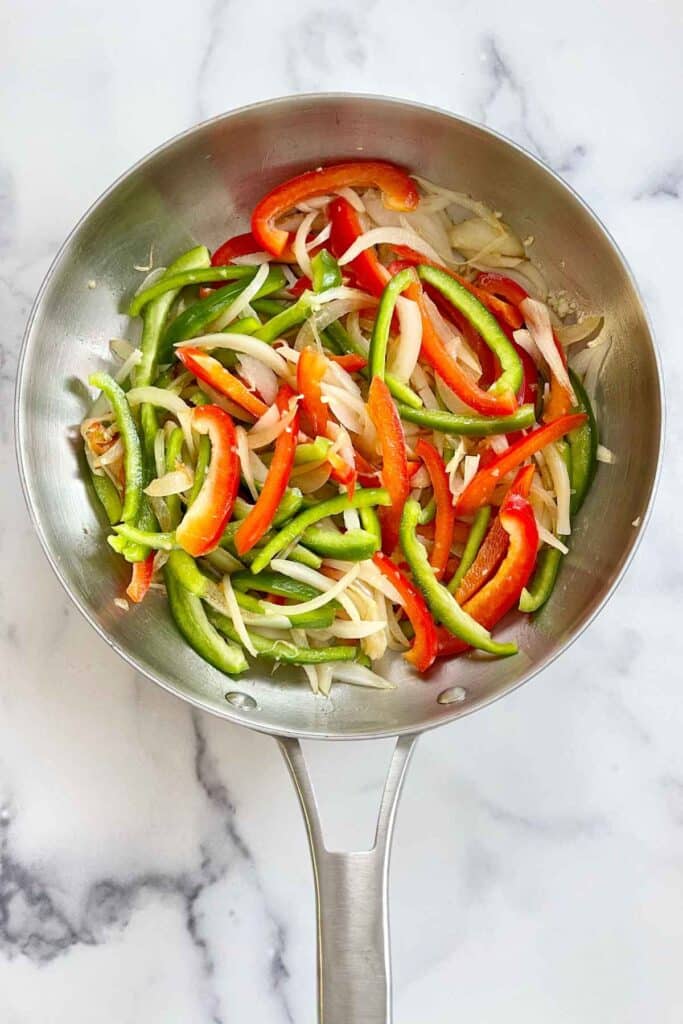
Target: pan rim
{"points": [[229, 713]]}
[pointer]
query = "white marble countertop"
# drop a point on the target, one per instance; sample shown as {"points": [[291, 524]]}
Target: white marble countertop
{"points": [[153, 866]]}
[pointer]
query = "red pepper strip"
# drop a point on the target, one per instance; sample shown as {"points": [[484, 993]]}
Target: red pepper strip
{"points": [[351, 362], [368, 475], [342, 472], [484, 483], [559, 400], [141, 578], [395, 478], [492, 551], [444, 520], [504, 287], [310, 371], [302, 285], [499, 595], [400, 193], [262, 514], [423, 651], [503, 311], [370, 275], [204, 522], [208, 369], [452, 374], [240, 245]]}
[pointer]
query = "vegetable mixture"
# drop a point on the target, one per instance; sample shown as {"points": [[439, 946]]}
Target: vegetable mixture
{"points": [[352, 429]]}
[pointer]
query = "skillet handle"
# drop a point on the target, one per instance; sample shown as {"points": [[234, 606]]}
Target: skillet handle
{"points": [[354, 969]]}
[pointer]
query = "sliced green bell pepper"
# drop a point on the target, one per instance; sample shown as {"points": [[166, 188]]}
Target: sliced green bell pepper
{"points": [[325, 272], [583, 446], [175, 281], [283, 650], [469, 426], [441, 602], [132, 458], [352, 546]]}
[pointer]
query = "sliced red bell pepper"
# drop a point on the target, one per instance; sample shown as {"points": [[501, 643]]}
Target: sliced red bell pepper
{"points": [[444, 521], [310, 371], [141, 578], [494, 546], [484, 483], [452, 374], [370, 275], [500, 594], [399, 189], [239, 245], [350, 362], [204, 522], [423, 651], [368, 475], [208, 369], [302, 284], [559, 400], [395, 477], [261, 516]]}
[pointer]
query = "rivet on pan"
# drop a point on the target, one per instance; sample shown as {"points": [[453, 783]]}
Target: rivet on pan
{"points": [[453, 695], [240, 700]]}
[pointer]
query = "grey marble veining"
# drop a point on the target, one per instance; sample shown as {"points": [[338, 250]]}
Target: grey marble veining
{"points": [[153, 866]]}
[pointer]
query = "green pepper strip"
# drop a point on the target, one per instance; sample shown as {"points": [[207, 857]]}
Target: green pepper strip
{"points": [[370, 522], [157, 541], [247, 325], [155, 314], [174, 448], [190, 618], [285, 320], [304, 556], [474, 542], [108, 496], [470, 426], [174, 282], [330, 343], [539, 590], [290, 503], [441, 602], [377, 353], [352, 546], [196, 317], [202, 464], [132, 460], [269, 307], [325, 271], [283, 650], [485, 323], [270, 582], [583, 445], [315, 451], [333, 506], [319, 618]]}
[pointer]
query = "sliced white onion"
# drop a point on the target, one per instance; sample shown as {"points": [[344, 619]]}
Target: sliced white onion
{"points": [[349, 411], [150, 279], [243, 299], [459, 199], [453, 341], [160, 452], [346, 630], [313, 479], [406, 351], [499, 443], [388, 236], [113, 454], [320, 238], [240, 343], [245, 461], [471, 465], [604, 454], [420, 382], [299, 246], [219, 399], [163, 516], [550, 539], [175, 482], [537, 319], [355, 333], [235, 613], [252, 259], [313, 578], [258, 377], [271, 425], [358, 675], [335, 592], [586, 327], [159, 561], [562, 487], [525, 340], [351, 519]]}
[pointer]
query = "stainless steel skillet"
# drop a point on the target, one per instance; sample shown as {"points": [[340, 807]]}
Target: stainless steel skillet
{"points": [[201, 186]]}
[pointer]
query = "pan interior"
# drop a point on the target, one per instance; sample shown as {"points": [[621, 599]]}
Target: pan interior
{"points": [[200, 188]]}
